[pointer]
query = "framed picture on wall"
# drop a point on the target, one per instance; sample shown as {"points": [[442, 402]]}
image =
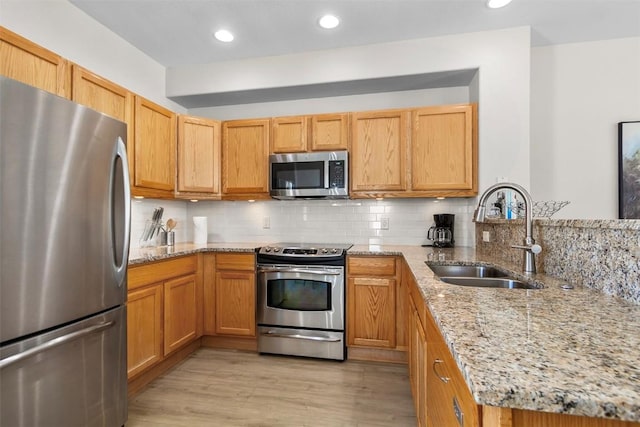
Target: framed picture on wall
{"points": [[629, 170]]}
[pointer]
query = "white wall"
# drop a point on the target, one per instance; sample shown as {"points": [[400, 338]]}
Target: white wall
{"points": [[64, 29], [579, 93]]}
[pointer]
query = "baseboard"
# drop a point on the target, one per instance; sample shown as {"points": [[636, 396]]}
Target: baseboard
{"points": [[377, 355], [234, 343]]}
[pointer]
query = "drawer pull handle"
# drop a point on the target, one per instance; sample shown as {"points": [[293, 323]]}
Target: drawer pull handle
{"points": [[435, 363]]}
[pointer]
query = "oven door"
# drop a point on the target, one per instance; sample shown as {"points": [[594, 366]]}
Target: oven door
{"points": [[301, 296]]}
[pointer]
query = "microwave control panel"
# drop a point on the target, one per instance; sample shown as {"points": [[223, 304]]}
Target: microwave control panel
{"points": [[336, 174]]}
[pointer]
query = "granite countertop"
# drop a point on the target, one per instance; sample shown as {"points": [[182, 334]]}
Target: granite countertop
{"points": [[565, 351], [158, 253], [554, 350]]}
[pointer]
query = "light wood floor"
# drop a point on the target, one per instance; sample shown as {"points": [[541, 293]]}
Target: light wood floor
{"points": [[228, 388]]}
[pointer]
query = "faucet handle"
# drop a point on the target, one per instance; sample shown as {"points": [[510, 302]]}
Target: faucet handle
{"points": [[535, 248]]}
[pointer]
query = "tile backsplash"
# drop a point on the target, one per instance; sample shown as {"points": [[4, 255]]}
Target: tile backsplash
{"points": [[321, 221], [600, 254]]}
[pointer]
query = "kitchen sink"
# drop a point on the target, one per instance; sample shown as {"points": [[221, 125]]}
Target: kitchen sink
{"points": [[488, 282], [479, 276], [465, 271]]}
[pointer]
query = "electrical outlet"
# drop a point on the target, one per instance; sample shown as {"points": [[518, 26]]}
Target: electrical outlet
{"points": [[384, 223], [266, 222], [486, 236]]}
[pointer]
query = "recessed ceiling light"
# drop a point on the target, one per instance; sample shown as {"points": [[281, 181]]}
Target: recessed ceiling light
{"points": [[223, 36], [495, 4], [329, 22]]}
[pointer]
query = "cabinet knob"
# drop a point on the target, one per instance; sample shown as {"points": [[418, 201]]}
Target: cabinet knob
{"points": [[435, 371]]}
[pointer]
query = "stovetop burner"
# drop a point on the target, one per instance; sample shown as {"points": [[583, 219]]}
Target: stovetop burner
{"points": [[314, 250]]}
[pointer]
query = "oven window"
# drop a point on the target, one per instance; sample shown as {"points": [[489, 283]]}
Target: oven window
{"points": [[300, 295], [297, 175]]}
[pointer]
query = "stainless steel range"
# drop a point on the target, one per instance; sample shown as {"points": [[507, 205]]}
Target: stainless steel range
{"points": [[301, 300]]}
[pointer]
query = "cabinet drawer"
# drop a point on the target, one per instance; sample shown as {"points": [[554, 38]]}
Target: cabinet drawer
{"points": [[234, 261], [372, 266], [146, 274]]}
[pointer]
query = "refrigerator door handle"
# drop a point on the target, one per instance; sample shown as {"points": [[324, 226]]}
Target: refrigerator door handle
{"points": [[54, 343], [120, 260]]}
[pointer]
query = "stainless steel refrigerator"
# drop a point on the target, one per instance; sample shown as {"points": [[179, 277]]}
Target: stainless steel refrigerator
{"points": [[64, 242]]}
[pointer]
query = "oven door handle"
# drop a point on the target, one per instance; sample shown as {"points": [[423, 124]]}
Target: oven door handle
{"points": [[299, 270], [299, 337]]}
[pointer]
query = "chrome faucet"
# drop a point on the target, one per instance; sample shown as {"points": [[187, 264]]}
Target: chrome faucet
{"points": [[530, 247]]}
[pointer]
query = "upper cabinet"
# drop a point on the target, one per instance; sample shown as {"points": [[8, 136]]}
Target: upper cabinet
{"points": [[25, 61], [245, 159], [378, 152], [152, 156], [299, 134], [199, 160], [289, 134], [330, 132], [102, 95], [444, 150], [425, 152]]}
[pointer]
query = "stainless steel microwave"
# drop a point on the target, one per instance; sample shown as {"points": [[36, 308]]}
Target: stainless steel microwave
{"points": [[320, 175]]}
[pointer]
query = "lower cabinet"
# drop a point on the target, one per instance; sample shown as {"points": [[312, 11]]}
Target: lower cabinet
{"points": [[375, 308], [448, 400], [163, 311], [180, 312], [230, 295], [144, 329], [440, 394]]}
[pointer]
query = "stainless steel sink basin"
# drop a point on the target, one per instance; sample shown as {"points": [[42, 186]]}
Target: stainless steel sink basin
{"points": [[488, 282], [466, 271]]}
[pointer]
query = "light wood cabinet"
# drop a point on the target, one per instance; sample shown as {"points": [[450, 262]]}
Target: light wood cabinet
{"points": [[144, 329], [289, 134], [299, 134], [444, 150], [330, 132], [378, 152], [180, 312], [102, 95], [374, 320], [447, 393], [163, 310], [152, 156], [418, 366], [245, 159], [234, 296], [25, 61], [198, 158]]}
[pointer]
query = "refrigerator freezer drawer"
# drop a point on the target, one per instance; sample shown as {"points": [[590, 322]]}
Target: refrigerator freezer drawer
{"points": [[72, 376]]}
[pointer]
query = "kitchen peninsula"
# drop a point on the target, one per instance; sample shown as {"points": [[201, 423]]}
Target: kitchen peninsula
{"points": [[549, 350]]}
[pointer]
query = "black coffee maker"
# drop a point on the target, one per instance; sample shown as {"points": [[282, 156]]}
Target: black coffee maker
{"points": [[442, 233]]}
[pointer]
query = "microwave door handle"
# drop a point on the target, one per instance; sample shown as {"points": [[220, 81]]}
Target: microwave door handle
{"points": [[326, 175], [298, 270]]}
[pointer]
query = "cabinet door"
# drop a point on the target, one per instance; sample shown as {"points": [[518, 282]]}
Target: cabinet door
{"points": [[25, 61], [154, 154], [179, 312], [289, 134], [198, 158], [443, 149], [446, 387], [235, 300], [372, 312], [102, 95], [378, 147], [330, 132], [144, 329], [245, 158], [421, 374]]}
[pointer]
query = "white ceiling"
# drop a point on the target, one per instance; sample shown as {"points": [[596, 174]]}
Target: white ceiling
{"points": [[179, 32]]}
